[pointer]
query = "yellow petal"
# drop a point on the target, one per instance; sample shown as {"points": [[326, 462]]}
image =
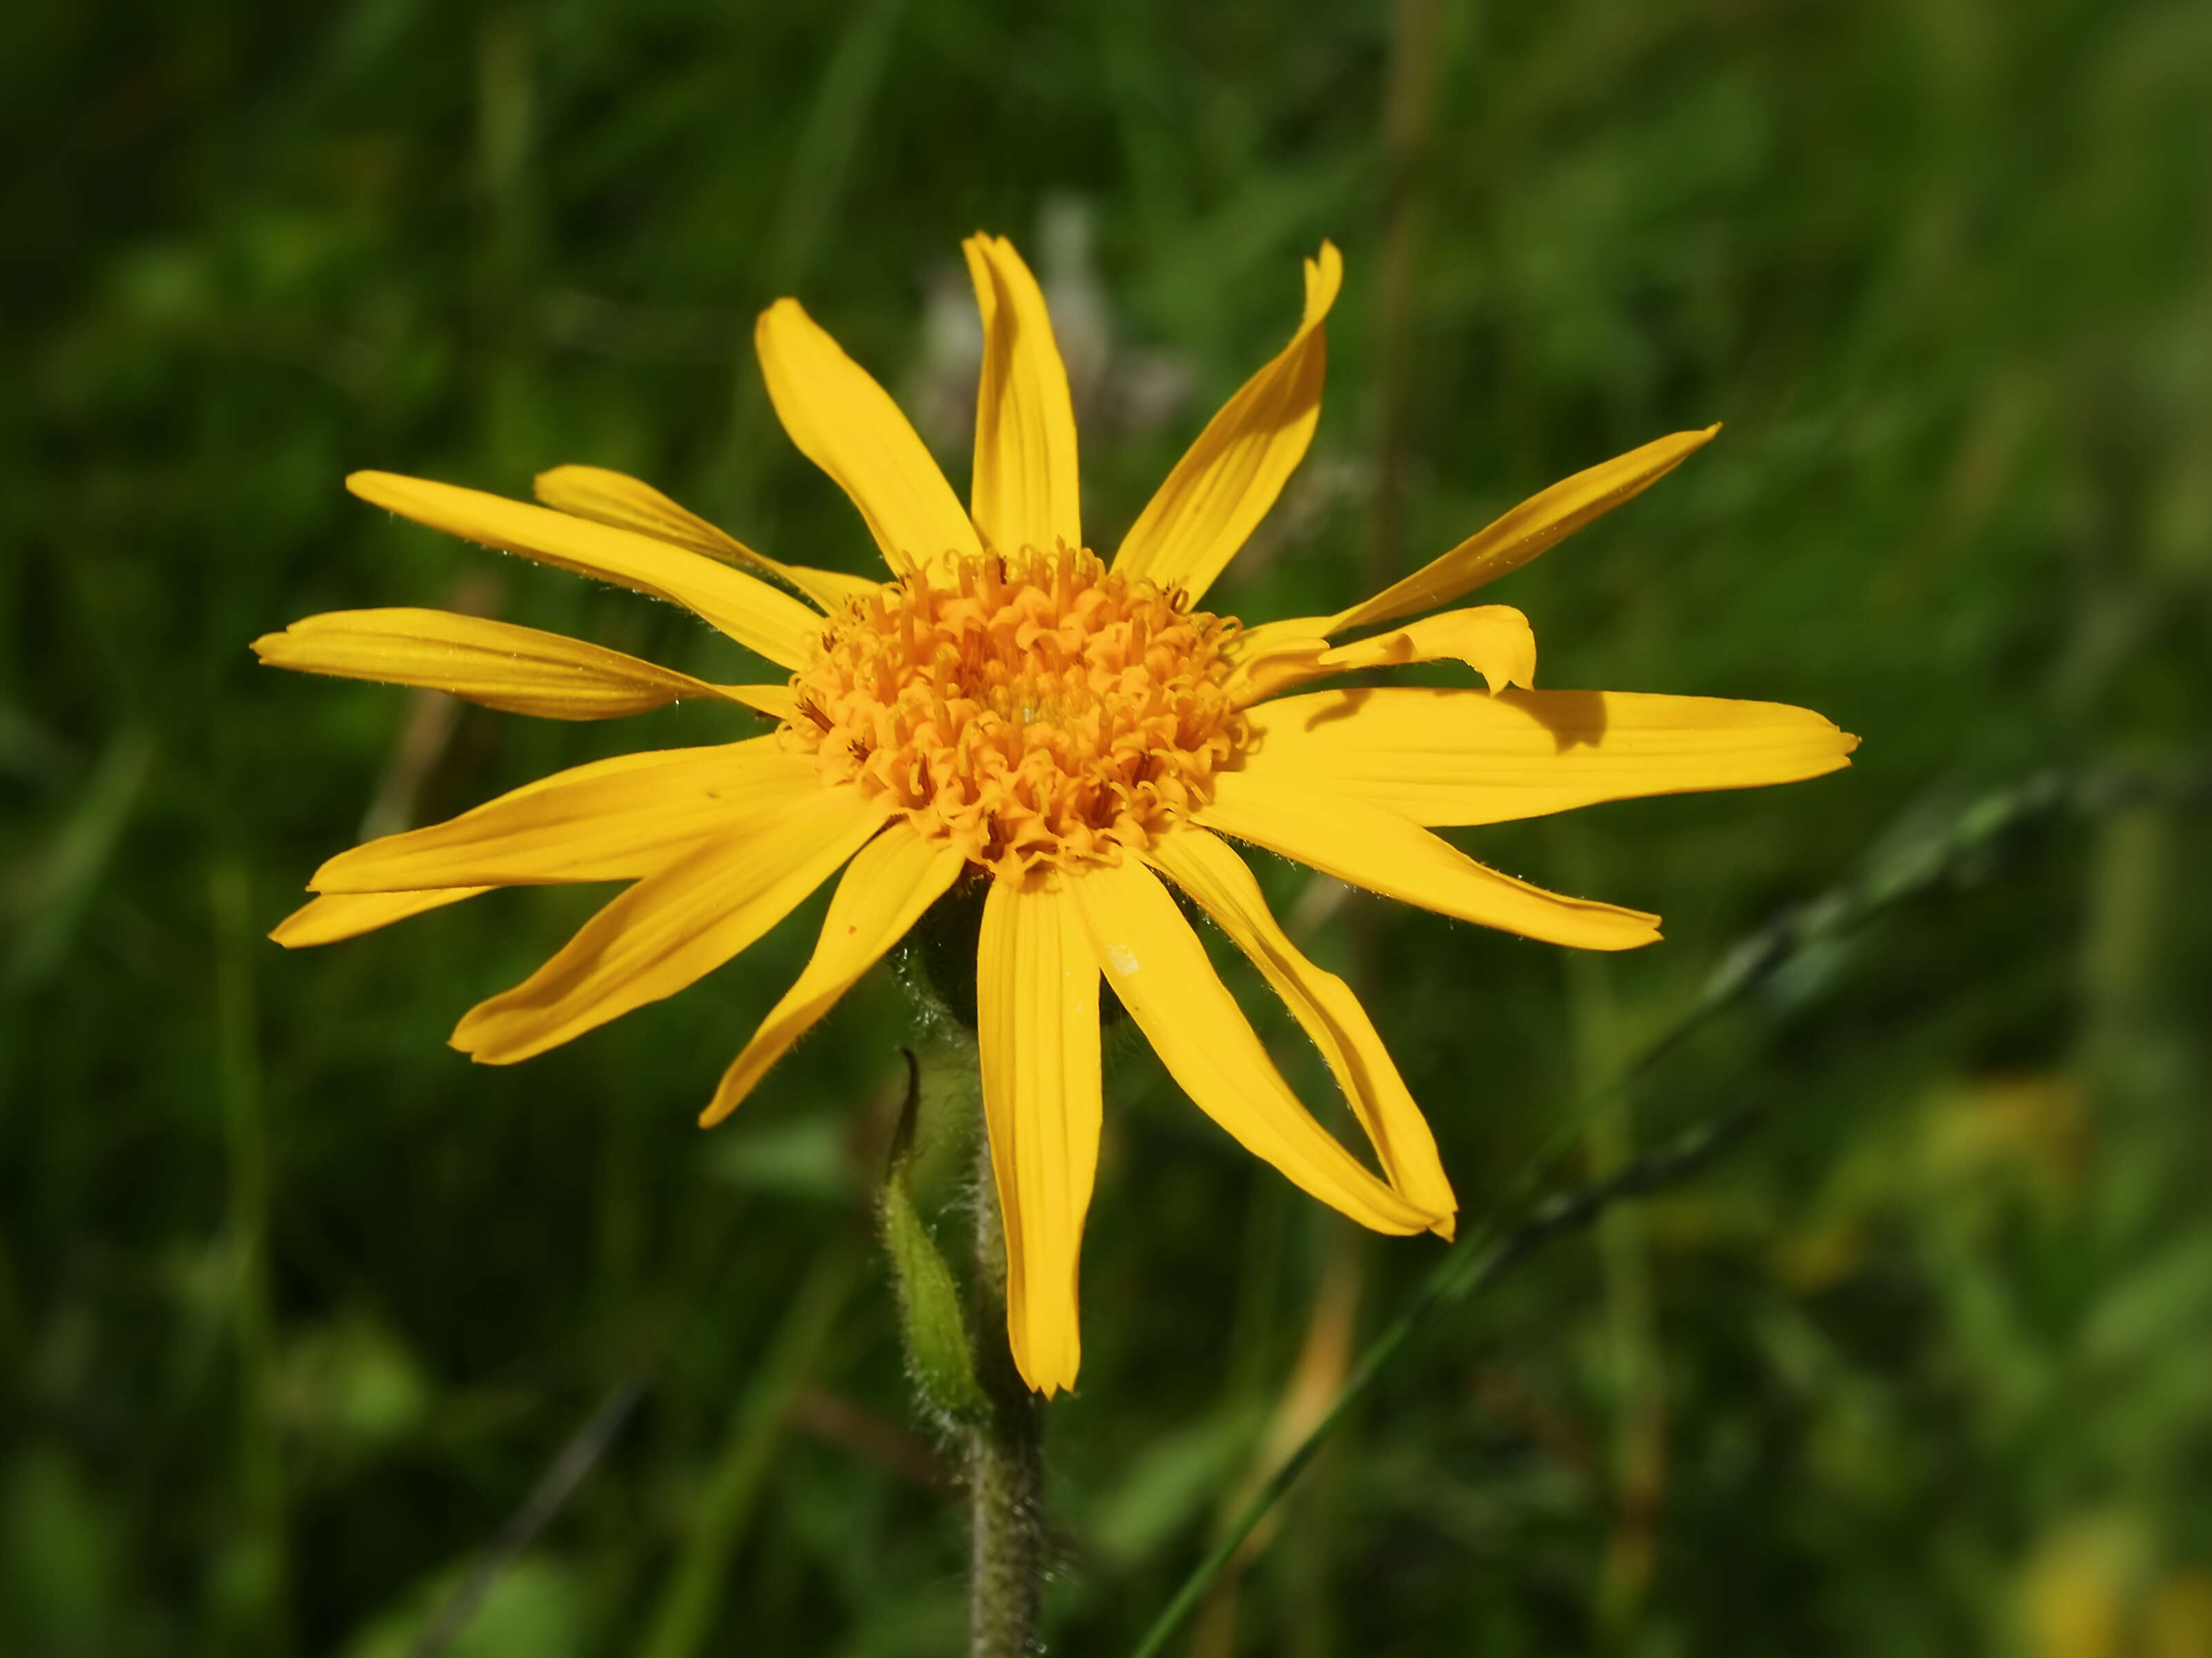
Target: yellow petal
{"points": [[614, 820], [848, 425], [1380, 851], [1036, 1025], [1537, 525], [616, 498], [1158, 968], [1462, 757], [756, 615], [1223, 486], [1249, 644], [1494, 640], [349, 914], [521, 670], [776, 702], [884, 891], [672, 927], [1217, 879], [1025, 492]]}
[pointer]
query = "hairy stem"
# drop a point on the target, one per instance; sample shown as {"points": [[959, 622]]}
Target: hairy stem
{"points": [[1006, 1464]]}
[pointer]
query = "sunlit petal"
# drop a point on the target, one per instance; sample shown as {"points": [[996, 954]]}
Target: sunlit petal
{"points": [[1026, 490], [349, 914], [1036, 1028], [1494, 640], [778, 626], [614, 820], [848, 425], [672, 927], [1214, 877], [883, 893], [616, 498], [1464, 757], [1537, 525], [1382, 852], [497, 663], [1224, 484], [776, 702], [1159, 969]]}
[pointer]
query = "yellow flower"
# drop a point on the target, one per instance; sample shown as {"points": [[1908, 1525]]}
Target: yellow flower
{"points": [[1010, 707]]}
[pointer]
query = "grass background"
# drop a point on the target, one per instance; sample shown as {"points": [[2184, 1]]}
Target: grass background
{"points": [[297, 1308]]}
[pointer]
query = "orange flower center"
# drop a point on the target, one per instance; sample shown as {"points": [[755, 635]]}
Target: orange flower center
{"points": [[1040, 711]]}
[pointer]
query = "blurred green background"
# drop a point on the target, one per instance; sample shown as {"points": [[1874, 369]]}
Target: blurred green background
{"points": [[297, 1308]]}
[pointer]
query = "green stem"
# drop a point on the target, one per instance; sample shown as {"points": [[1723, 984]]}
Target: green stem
{"points": [[1006, 1461]]}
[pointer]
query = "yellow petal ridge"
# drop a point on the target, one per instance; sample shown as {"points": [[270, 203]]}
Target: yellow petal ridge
{"points": [[1157, 966], [671, 928], [1461, 757], [1026, 491], [1494, 640], [847, 424], [1225, 482], [1370, 848], [1534, 527], [776, 702], [497, 663], [758, 616], [614, 820], [1036, 1028], [628, 503], [881, 893], [1218, 880]]}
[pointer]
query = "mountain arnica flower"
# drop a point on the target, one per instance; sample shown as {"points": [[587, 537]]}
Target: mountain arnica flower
{"points": [[1077, 732]]}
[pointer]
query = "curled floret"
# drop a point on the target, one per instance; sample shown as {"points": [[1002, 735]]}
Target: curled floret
{"points": [[1034, 710]]}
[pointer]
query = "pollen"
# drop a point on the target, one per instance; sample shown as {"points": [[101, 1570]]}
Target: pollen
{"points": [[1034, 710]]}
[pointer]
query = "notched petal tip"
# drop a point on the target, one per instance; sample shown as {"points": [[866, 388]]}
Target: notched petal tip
{"points": [[1048, 1388], [783, 308], [469, 1038], [1324, 282]]}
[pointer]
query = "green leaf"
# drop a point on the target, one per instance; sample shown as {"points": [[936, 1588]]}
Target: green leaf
{"points": [[931, 1323], [929, 1319]]}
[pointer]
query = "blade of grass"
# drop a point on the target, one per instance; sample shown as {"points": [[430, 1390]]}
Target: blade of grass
{"points": [[813, 192], [685, 1616], [258, 1565], [577, 1458], [84, 847]]}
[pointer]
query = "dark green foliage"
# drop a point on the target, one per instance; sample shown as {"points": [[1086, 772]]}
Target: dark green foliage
{"points": [[297, 1308]]}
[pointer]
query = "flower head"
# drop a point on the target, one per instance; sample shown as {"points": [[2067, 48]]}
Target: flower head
{"points": [[1036, 710], [1011, 707]]}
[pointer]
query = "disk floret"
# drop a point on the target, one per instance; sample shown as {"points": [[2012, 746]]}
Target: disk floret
{"points": [[1033, 708]]}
